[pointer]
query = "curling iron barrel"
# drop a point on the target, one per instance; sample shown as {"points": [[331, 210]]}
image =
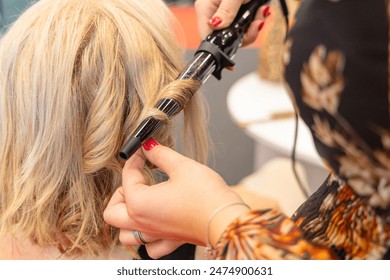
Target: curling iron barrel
{"points": [[213, 55]]}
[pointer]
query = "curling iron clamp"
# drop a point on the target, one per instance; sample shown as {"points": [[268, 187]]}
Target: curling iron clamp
{"points": [[213, 55]]}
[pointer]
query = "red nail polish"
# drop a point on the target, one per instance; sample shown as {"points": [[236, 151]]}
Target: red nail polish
{"points": [[266, 12], [215, 21], [261, 25], [149, 144]]}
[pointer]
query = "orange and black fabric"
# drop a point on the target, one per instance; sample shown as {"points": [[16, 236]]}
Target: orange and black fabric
{"points": [[336, 61]]}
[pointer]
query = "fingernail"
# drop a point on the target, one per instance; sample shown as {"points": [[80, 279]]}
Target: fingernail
{"points": [[261, 25], [266, 12], [215, 21], [149, 144]]}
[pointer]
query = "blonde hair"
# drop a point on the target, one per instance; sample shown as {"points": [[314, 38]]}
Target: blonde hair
{"points": [[76, 78]]}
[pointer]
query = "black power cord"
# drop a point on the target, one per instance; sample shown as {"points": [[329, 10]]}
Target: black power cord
{"points": [[284, 8]]}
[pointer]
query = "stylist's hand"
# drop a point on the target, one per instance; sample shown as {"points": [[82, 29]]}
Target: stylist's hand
{"points": [[178, 209], [219, 14]]}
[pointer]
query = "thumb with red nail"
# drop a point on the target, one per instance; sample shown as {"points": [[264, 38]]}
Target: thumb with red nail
{"points": [[219, 14], [177, 209]]}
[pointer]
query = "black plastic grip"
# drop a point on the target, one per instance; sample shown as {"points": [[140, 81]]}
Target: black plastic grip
{"points": [[223, 44]]}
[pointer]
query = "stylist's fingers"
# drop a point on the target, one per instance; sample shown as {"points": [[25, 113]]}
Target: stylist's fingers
{"points": [[225, 13], [204, 12], [129, 238], [116, 213], [257, 25], [163, 157], [253, 31], [132, 171], [219, 14], [216, 14], [133, 180], [162, 248]]}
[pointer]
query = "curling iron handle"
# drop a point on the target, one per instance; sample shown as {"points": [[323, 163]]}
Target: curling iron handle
{"points": [[223, 44]]}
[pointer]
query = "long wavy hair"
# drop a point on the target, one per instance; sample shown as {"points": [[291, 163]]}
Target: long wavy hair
{"points": [[76, 78]]}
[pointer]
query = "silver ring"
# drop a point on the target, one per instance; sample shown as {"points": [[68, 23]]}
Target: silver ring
{"points": [[139, 238]]}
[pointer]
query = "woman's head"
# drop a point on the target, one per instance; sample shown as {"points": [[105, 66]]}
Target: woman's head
{"points": [[76, 77]]}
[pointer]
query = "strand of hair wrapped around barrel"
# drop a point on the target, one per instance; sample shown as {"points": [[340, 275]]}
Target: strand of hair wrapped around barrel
{"points": [[179, 90]]}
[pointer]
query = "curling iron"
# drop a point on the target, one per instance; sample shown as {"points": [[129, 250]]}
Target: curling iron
{"points": [[213, 55]]}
